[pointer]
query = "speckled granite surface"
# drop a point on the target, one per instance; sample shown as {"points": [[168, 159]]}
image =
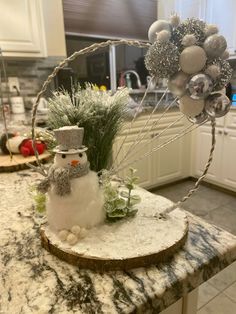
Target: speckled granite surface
{"points": [[33, 281]]}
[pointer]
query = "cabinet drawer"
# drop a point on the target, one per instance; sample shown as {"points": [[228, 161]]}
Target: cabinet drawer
{"points": [[153, 123]]}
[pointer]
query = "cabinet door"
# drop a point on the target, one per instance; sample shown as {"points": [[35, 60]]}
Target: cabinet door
{"points": [[222, 13], [230, 119], [21, 27], [143, 166], [168, 161], [203, 145], [229, 158]]}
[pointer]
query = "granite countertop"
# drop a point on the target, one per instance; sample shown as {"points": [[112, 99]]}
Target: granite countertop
{"points": [[33, 281]]}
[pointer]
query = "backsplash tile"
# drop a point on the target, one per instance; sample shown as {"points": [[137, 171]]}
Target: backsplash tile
{"points": [[31, 75]]}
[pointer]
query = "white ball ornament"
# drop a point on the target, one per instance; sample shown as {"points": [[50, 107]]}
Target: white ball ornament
{"points": [[72, 239], [157, 27], [191, 107], [211, 29], [163, 36], [192, 59], [76, 230], [215, 45], [63, 234], [213, 71]]}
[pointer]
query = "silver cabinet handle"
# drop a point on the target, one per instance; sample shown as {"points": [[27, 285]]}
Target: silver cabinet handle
{"points": [[220, 132], [226, 133]]}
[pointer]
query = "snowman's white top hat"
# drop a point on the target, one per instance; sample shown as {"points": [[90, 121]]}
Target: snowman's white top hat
{"points": [[70, 140]]}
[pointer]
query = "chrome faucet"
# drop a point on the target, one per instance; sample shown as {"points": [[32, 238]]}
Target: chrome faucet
{"points": [[136, 74]]}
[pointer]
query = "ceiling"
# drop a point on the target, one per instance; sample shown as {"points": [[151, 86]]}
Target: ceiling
{"points": [[110, 18]]}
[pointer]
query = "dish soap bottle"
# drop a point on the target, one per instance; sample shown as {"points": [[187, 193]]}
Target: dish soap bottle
{"points": [[128, 80]]}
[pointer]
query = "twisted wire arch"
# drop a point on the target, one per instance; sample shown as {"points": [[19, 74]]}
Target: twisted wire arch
{"points": [[90, 49]]}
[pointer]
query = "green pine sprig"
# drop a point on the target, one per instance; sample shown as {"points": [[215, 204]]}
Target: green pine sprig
{"points": [[100, 113]]}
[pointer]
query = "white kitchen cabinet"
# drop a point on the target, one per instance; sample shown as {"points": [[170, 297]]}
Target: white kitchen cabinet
{"points": [[21, 27], [228, 158], [30, 28], [165, 165], [144, 170], [222, 170]]}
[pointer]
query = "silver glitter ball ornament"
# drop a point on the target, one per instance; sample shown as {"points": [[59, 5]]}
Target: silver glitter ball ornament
{"points": [[200, 118], [189, 26], [225, 73], [215, 45], [217, 105], [200, 86], [177, 83], [162, 59]]}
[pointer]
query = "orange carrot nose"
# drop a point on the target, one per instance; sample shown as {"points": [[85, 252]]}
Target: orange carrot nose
{"points": [[74, 163]]}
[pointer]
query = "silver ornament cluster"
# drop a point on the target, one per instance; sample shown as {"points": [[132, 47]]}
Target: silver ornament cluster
{"points": [[190, 26], [162, 59], [192, 55], [225, 73]]}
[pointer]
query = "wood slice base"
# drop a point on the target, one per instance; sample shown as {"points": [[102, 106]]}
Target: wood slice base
{"points": [[135, 242], [18, 162]]}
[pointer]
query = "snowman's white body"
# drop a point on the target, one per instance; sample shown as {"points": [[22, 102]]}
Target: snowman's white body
{"points": [[83, 206]]}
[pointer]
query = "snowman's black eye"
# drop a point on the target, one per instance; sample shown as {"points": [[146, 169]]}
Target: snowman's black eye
{"points": [[80, 155], [63, 156]]}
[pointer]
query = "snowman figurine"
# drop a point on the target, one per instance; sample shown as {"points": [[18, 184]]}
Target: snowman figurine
{"points": [[74, 198]]}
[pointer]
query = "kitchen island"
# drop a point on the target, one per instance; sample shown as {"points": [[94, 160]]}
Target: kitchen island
{"points": [[33, 281]]}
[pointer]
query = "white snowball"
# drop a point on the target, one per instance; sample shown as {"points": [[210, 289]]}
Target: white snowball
{"points": [[63, 234], [163, 36], [192, 59], [191, 107], [157, 27], [71, 239], [76, 230]]}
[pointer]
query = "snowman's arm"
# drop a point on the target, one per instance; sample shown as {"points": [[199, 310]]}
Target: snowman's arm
{"points": [[43, 186], [62, 181]]}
